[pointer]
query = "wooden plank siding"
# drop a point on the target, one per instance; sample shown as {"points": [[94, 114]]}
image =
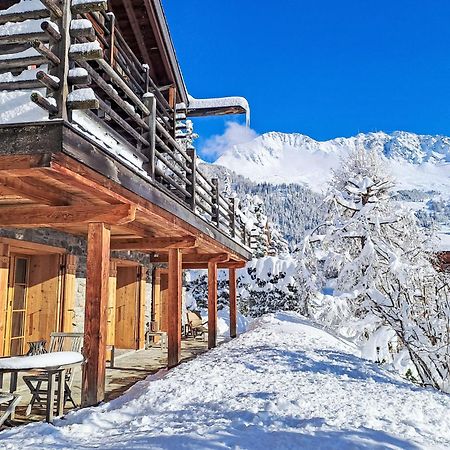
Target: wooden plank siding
{"points": [[69, 269], [111, 309], [44, 295], [127, 308], [4, 276]]}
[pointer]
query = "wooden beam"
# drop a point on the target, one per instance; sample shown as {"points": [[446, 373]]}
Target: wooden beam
{"points": [[21, 165], [4, 272], [94, 346], [232, 265], [35, 190], [233, 301], [78, 174], [212, 304], [174, 307], [46, 216], [154, 243], [26, 247], [195, 258], [204, 265]]}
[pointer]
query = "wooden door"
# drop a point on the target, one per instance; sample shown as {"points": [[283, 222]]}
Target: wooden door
{"points": [[44, 299], [160, 298], [127, 308], [15, 338], [164, 300]]}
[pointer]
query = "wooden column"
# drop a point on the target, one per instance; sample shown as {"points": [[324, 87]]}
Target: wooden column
{"points": [[94, 346], [4, 272], [233, 305], [212, 304], [174, 307]]}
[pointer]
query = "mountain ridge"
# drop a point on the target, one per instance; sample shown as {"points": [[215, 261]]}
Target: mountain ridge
{"points": [[418, 161]]}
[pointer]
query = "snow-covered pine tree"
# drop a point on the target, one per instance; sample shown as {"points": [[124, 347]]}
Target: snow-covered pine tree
{"points": [[372, 254], [268, 283], [266, 239]]}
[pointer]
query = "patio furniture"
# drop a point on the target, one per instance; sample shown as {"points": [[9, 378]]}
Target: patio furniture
{"points": [[37, 347], [195, 325], [53, 365], [149, 341], [39, 383], [12, 401]]}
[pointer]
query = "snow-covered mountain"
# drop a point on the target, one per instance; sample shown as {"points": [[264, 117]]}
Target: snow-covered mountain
{"points": [[417, 161]]}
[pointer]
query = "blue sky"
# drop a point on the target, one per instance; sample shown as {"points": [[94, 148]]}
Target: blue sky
{"points": [[325, 68]]}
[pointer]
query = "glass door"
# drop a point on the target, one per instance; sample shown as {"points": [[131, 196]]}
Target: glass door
{"points": [[18, 305]]}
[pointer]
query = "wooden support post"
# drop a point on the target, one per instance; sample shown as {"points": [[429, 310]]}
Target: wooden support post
{"points": [[4, 272], [192, 177], [111, 25], [212, 304], [94, 346], [174, 307], [173, 105], [233, 302], [150, 102]]}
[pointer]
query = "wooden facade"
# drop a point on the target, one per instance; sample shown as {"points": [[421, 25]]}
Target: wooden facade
{"points": [[37, 294], [112, 162]]}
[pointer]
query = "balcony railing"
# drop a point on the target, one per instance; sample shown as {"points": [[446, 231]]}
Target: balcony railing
{"points": [[77, 53]]}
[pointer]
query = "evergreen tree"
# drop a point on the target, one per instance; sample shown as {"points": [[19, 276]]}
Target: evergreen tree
{"points": [[372, 254]]}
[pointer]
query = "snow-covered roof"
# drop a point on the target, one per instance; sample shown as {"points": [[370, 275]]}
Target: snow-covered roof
{"points": [[218, 106]]}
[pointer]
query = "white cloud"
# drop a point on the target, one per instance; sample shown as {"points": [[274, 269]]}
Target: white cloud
{"points": [[234, 134]]}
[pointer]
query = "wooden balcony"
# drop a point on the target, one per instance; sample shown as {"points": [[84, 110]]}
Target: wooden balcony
{"points": [[104, 110]]}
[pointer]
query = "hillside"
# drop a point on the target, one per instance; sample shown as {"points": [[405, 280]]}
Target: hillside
{"points": [[290, 173], [285, 384]]}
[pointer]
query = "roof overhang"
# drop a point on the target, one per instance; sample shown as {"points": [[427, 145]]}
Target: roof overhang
{"points": [[218, 107], [144, 26]]}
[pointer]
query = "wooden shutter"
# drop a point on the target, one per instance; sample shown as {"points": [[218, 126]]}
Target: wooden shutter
{"points": [[68, 290]]}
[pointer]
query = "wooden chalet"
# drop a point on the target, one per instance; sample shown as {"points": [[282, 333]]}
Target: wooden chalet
{"points": [[99, 183]]}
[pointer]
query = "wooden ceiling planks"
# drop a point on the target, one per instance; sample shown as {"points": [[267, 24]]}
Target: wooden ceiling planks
{"points": [[138, 29]]}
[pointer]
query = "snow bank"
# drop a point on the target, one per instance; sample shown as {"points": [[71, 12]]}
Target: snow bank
{"points": [[287, 384]]}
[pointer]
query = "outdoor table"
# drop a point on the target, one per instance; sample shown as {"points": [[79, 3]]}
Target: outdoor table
{"points": [[54, 364]]}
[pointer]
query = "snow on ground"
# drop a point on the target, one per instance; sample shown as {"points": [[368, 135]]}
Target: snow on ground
{"points": [[286, 384]]}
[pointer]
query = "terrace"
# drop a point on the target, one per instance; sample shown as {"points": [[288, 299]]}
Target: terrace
{"points": [[97, 151]]}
